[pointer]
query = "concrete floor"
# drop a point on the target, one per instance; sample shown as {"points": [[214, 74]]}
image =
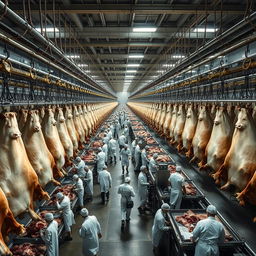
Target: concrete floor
{"points": [[135, 240]]}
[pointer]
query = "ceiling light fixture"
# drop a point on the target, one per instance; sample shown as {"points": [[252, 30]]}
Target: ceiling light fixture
{"points": [[207, 30], [133, 65], [49, 29], [168, 65], [178, 56], [138, 56], [145, 29], [82, 65], [131, 71], [73, 56], [129, 76]]}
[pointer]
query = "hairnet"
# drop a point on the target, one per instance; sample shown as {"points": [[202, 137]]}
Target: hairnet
{"points": [[75, 177], [105, 167], [59, 195], [127, 179], [143, 167], [100, 149], [211, 209], [178, 168], [155, 155], [84, 212], [78, 159], [165, 206], [126, 145], [48, 216], [86, 167], [147, 147]]}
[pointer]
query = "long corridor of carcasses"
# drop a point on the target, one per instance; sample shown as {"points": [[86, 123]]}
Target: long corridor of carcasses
{"points": [[134, 240]]}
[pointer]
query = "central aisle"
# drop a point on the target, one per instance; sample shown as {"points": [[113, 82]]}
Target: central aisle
{"points": [[135, 240]]}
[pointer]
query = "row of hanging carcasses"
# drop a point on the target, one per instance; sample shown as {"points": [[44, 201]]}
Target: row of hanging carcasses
{"points": [[220, 138], [35, 145]]}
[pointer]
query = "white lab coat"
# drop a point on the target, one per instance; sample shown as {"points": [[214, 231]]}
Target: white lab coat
{"points": [[89, 183], [89, 231], [105, 181], [177, 181], [67, 214], [152, 166], [79, 188], [126, 191], [51, 239], [117, 129], [209, 233], [112, 147], [125, 154], [112, 129], [133, 148], [105, 140], [126, 134], [105, 150], [137, 157], [144, 158], [100, 161], [122, 140], [143, 188], [158, 228], [80, 169], [109, 135]]}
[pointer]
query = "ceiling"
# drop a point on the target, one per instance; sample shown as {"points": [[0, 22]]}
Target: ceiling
{"points": [[99, 34]]}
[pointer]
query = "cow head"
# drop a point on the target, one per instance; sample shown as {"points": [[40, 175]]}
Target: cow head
{"points": [[219, 115], [33, 120], [243, 119], [49, 116], [9, 125], [202, 113]]}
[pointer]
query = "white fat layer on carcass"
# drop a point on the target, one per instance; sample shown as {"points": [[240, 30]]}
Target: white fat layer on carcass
{"points": [[180, 122], [78, 125], [173, 121]]}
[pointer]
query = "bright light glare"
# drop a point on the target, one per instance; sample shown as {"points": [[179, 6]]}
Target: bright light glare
{"points": [[168, 65], [131, 71], [144, 29], [73, 56], [129, 76], [82, 65], [50, 29], [136, 56], [159, 71], [133, 65], [202, 30], [178, 56]]}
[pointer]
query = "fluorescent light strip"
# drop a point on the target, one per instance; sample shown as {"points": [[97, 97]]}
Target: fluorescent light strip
{"points": [[131, 71], [144, 29], [208, 30], [178, 56], [133, 65], [136, 56], [73, 56], [168, 65], [82, 65], [129, 76], [50, 29]]}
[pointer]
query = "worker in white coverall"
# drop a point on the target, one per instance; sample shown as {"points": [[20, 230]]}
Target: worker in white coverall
{"points": [[79, 189], [105, 181], [109, 133], [112, 145], [63, 204], [80, 167], [105, 138], [122, 142], [143, 189], [126, 133], [125, 157], [152, 166], [133, 146], [159, 227], [126, 191], [105, 150], [144, 158], [88, 183], [208, 233], [176, 181], [90, 232], [116, 130], [137, 157], [50, 235], [100, 160]]}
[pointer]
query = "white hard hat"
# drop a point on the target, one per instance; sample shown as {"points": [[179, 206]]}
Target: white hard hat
{"points": [[127, 179], [100, 149], [86, 167], [75, 177], [59, 195], [105, 167], [78, 159], [165, 206], [178, 168], [143, 167], [211, 209], [48, 216], [147, 147], [155, 155], [84, 212]]}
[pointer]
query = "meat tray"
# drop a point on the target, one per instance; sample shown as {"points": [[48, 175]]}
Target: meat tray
{"points": [[183, 236]]}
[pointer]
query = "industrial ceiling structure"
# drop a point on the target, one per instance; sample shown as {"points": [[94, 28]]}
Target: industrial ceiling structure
{"points": [[125, 45]]}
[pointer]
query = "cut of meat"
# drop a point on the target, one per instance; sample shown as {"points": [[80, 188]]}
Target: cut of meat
{"points": [[163, 158], [28, 249]]}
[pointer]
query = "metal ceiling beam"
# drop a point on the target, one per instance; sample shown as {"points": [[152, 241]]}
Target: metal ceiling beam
{"points": [[138, 9]]}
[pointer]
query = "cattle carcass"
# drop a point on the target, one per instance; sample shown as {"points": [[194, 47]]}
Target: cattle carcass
{"points": [[78, 126], [202, 135], [38, 153], [83, 121], [52, 139], [167, 121], [239, 165], [88, 119], [162, 118], [18, 179], [173, 121], [71, 128], [8, 224], [220, 140], [179, 126], [64, 135], [189, 129]]}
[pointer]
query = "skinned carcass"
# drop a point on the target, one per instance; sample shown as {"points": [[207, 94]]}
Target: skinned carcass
{"points": [[162, 118], [78, 126], [18, 179], [220, 140], [38, 153], [52, 139], [167, 121], [83, 121], [173, 121], [202, 135], [239, 165]]}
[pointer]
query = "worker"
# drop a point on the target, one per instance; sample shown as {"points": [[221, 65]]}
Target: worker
{"points": [[134, 144], [105, 181], [122, 141], [109, 133], [122, 118], [208, 233], [143, 189], [159, 227], [176, 181], [105, 138], [116, 130], [152, 166], [90, 232], [126, 133], [126, 191], [137, 157], [105, 150], [63, 204], [112, 129], [88, 180], [50, 235], [79, 189], [80, 167], [112, 150], [125, 157], [144, 158], [100, 160]]}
